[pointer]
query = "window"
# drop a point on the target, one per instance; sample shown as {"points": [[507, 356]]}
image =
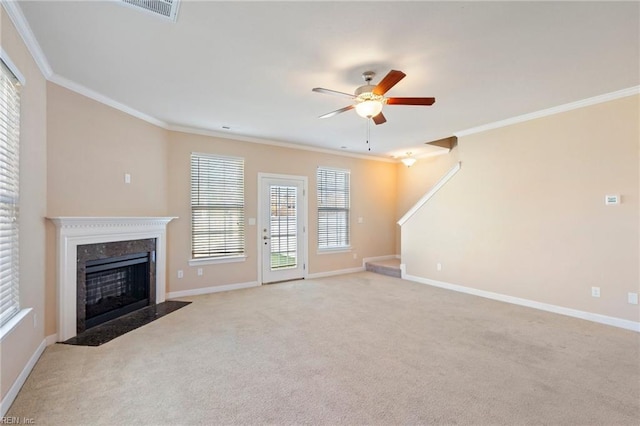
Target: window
{"points": [[333, 208], [217, 206], [9, 172]]}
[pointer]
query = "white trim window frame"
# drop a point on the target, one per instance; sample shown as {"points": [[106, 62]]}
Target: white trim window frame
{"points": [[9, 190], [217, 209], [334, 209]]}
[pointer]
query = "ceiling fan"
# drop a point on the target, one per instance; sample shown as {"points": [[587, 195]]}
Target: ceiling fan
{"points": [[369, 99]]}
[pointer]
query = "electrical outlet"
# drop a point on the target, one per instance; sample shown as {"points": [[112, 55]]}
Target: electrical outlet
{"points": [[632, 298], [127, 178], [180, 273], [595, 291], [439, 266], [199, 272]]}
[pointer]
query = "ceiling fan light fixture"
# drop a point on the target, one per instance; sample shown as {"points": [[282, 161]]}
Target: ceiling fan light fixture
{"points": [[368, 104], [369, 108], [368, 100]]}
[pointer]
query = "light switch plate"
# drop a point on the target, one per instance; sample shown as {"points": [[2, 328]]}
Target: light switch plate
{"points": [[611, 200]]}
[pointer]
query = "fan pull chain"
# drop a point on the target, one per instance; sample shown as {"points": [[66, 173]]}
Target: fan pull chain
{"points": [[368, 133]]}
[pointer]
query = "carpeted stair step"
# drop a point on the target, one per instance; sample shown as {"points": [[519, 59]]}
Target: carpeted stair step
{"points": [[390, 267]]}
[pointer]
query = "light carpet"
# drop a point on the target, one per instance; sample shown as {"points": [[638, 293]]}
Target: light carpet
{"points": [[353, 349]]}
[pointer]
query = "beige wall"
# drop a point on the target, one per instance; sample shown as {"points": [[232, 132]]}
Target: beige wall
{"points": [[22, 342], [373, 186], [90, 148], [525, 216]]}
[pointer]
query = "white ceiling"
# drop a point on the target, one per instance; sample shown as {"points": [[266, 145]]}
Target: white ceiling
{"points": [[251, 65]]}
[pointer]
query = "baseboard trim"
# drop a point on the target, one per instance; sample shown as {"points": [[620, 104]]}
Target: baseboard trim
{"points": [[589, 316], [22, 377], [51, 339], [334, 273], [212, 289]]}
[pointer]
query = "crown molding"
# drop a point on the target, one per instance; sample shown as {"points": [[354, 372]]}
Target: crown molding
{"points": [[252, 139], [92, 94], [4, 56], [99, 97], [551, 111], [21, 24]]}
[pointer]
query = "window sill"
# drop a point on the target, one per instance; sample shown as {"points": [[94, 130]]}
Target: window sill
{"points": [[335, 250], [216, 260], [15, 320]]}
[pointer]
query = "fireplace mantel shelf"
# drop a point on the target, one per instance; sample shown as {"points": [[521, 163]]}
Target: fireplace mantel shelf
{"points": [[106, 221], [77, 230]]}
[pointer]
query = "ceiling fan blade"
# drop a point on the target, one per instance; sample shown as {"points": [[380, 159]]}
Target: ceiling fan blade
{"points": [[332, 92], [379, 119], [388, 82], [336, 112], [411, 101]]}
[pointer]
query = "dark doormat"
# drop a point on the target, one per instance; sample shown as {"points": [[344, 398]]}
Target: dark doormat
{"points": [[103, 333]]}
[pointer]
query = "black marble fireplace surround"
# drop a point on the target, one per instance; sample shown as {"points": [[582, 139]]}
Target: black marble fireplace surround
{"points": [[114, 270]]}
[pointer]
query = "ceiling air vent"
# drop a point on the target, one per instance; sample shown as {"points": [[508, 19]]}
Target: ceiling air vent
{"points": [[167, 9]]}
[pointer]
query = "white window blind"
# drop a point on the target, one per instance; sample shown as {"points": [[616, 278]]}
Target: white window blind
{"points": [[9, 172], [217, 206], [333, 208]]}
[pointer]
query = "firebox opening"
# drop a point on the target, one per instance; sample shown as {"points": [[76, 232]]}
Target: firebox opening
{"points": [[116, 286]]}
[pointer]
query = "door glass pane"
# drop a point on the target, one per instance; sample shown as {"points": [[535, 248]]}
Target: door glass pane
{"points": [[284, 226]]}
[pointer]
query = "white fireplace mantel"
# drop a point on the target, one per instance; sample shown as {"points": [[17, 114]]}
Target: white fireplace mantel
{"points": [[75, 231]]}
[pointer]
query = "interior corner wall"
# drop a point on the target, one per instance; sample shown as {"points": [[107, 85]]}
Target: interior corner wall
{"points": [[90, 148], [373, 198], [526, 217], [22, 343], [415, 181]]}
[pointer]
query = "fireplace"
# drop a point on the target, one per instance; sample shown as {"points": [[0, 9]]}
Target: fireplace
{"points": [[114, 279], [115, 287], [88, 247]]}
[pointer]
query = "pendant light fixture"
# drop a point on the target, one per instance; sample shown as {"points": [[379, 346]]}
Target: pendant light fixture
{"points": [[409, 160]]}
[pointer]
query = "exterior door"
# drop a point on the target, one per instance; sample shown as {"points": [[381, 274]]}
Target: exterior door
{"points": [[282, 227]]}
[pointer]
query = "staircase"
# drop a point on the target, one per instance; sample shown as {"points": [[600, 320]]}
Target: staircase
{"points": [[390, 267]]}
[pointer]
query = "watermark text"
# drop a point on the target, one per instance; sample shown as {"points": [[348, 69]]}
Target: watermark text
{"points": [[17, 421]]}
